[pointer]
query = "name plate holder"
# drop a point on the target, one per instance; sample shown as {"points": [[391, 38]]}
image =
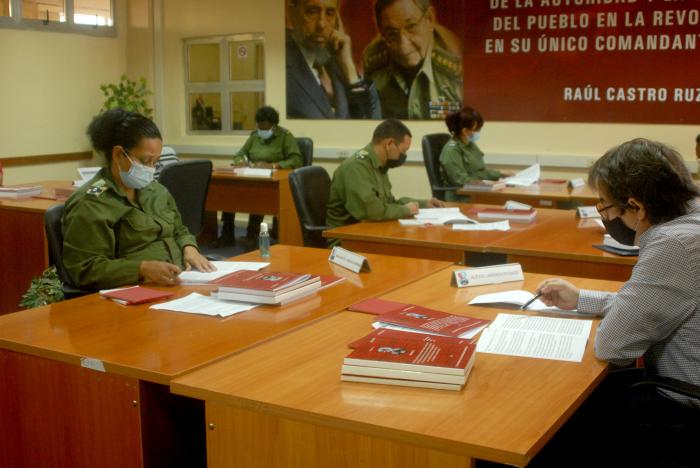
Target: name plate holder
{"points": [[585, 212], [350, 260], [487, 275], [576, 183]]}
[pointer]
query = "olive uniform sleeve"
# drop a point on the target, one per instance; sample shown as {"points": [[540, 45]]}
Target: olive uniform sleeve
{"points": [[292, 155], [362, 200], [89, 245], [244, 152]]}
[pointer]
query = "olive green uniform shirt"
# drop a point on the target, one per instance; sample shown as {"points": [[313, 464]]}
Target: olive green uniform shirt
{"points": [[435, 89], [361, 191], [461, 163], [281, 148], [106, 236]]}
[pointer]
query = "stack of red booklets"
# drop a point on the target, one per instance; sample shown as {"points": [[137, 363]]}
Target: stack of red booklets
{"points": [[518, 216], [266, 287], [410, 359], [419, 319]]}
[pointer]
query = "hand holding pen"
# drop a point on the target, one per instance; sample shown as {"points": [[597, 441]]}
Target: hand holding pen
{"points": [[559, 293]]}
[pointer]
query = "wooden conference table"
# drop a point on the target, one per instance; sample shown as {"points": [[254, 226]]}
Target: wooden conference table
{"points": [[282, 404], [23, 242], [542, 195], [260, 195], [56, 411], [556, 243]]}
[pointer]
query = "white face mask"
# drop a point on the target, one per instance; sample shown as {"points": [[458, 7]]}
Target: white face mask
{"points": [[265, 134], [138, 176], [474, 136]]}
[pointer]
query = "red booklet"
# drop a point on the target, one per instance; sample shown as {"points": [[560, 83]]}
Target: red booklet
{"points": [[432, 321], [400, 350], [398, 334], [376, 306], [264, 283], [136, 295], [329, 280]]}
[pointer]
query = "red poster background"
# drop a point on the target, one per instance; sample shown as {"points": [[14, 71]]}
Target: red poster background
{"points": [[530, 86]]}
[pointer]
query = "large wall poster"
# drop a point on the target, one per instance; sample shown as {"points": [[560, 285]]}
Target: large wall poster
{"points": [[410, 58], [632, 61]]}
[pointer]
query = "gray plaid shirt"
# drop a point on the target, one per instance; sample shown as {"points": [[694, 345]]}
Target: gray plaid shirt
{"points": [[657, 312]]}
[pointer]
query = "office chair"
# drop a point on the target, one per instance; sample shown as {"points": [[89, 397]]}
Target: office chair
{"points": [[53, 225], [310, 189], [306, 146], [432, 147], [188, 183]]}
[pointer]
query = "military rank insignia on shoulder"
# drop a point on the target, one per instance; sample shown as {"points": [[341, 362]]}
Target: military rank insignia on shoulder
{"points": [[362, 154], [97, 188], [451, 143]]}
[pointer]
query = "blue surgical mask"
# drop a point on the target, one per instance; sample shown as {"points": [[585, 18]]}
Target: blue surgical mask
{"points": [[265, 134], [474, 136], [138, 176]]}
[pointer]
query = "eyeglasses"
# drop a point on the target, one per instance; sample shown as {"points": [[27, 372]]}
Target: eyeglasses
{"points": [[149, 161], [392, 36], [600, 208]]}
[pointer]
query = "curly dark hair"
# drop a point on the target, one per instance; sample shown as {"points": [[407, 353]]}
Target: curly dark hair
{"points": [[118, 127], [267, 114], [649, 171]]}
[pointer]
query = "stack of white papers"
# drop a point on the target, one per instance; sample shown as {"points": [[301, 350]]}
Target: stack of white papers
{"points": [[205, 305], [497, 226], [20, 192], [253, 172], [222, 269], [525, 177], [536, 337], [437, 216]]}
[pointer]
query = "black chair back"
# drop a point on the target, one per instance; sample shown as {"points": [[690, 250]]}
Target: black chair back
{"points": [[53, 225], [188, 183], [311, 188], [306, 146], [432, 147]]}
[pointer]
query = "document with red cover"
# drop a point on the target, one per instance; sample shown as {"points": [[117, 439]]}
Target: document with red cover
{"points": [[424, 320], [430, 354], [376, 306], [329, 280], [264, 283], [136, 295], [398, 334]]}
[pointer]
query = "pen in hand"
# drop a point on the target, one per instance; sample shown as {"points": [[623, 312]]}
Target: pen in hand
{"points": [[529, 303]]}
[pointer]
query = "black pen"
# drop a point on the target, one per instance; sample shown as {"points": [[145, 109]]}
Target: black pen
{"points": [[528, 303]]}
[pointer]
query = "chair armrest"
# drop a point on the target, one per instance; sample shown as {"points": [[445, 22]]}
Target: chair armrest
{"points": [[316, 228], [669, 383]]}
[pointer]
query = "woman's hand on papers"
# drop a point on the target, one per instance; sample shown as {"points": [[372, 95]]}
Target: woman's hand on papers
{"points": [[435, 203], [195, 260], [162, 273], [559, 293]]}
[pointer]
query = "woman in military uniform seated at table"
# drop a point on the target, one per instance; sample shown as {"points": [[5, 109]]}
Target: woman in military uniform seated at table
{"points": [[461, 160], [122, 227], [268, 146]]}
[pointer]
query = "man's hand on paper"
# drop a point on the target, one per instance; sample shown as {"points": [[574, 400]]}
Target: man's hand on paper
{"points": [[559, 293]]}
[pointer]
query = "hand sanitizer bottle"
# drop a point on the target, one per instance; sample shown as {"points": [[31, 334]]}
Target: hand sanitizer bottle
{"points": [[264, 241]]}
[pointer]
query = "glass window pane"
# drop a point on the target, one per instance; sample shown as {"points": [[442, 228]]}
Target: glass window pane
{"points": [[205, 111], [93, 12], [54, 10], [247, 60], [243, 108], [203, 62]]}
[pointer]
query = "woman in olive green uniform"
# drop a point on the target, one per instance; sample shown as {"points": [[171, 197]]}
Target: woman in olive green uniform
{"points": [[269, 146], [121, 227], [461, 161]]}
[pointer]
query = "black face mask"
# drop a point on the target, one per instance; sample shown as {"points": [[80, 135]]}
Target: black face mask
{"points": [[392, 163], [619, 231]]}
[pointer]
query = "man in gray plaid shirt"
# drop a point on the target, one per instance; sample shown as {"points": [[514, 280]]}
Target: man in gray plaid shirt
{"points": [[647, 198]]}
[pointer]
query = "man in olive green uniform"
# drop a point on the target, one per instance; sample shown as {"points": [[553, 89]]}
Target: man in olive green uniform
{"points": [[361, 190], [460, 163], [107, 236], [415, 63]]}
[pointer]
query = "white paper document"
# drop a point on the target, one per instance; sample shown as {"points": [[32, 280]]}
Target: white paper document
{"points": [[196, 303], [222, 269], [253, 172], [536, 337], [515, 205], [526, 177], [438, 216], [514, 298], [497, 226]]}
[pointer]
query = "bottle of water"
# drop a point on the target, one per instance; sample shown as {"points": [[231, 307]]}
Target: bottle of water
{"points": [[264, 241]]}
